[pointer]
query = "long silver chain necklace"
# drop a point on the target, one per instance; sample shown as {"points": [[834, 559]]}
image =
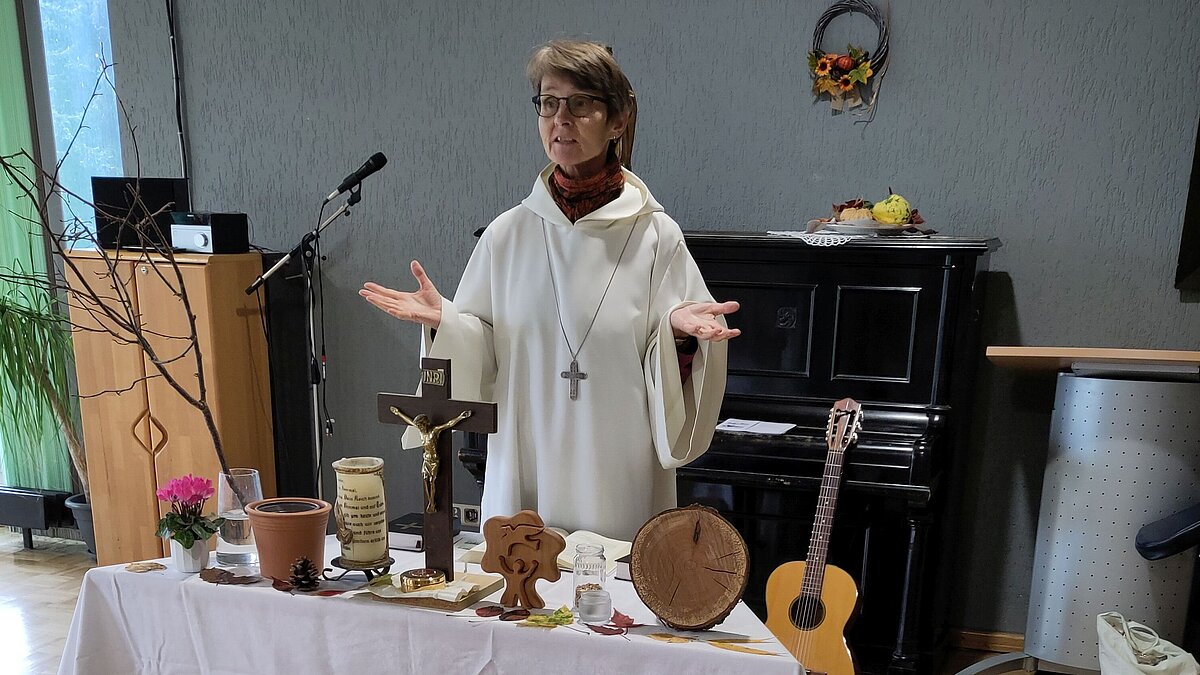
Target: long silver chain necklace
{"points": [[574, 374]]}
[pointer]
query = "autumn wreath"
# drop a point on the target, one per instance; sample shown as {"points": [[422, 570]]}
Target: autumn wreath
{"points": [[844, 75]]}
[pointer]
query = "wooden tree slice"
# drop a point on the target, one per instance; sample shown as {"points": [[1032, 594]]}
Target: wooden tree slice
{"points": [[689, 566]]}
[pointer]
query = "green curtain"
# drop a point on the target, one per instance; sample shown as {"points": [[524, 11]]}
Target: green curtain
{"points": [[32, 450]]}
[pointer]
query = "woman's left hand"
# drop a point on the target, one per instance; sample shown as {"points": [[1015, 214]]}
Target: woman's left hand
{"points": [[700, 320]]}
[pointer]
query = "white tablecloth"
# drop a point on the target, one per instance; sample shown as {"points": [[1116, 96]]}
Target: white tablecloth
{"points": [[167, 623]]}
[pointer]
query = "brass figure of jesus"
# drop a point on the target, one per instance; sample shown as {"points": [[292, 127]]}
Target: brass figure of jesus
{"points": [[429, 439]]}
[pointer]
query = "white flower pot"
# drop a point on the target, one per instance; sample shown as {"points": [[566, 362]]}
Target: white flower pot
{"points": [[189, 560]]}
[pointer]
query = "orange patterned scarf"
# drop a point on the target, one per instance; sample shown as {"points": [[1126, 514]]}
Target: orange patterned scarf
{"points": [[579, 197]]}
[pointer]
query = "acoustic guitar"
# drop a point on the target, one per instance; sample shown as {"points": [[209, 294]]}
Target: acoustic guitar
{"points": [[809, 603]]}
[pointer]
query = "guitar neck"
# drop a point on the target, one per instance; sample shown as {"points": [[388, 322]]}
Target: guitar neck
{"points": [[818, 543]]}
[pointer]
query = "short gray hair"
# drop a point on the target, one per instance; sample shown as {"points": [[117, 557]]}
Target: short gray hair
{"points": [[590, 65]]}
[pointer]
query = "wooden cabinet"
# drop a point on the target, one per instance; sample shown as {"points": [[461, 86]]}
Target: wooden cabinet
{"points": [[139, 432]]}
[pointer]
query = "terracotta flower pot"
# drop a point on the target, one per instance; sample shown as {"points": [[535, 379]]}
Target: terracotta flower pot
{"points": [[286, 528]]}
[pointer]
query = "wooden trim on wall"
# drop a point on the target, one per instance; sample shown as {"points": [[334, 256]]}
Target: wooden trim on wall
{"points": [[985, 641]]}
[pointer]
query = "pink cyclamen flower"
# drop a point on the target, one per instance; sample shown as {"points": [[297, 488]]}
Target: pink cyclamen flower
{"points": [[188, 490], [194, 490]]}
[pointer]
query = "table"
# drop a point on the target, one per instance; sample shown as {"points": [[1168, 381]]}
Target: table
{"points": [[1124, 451], [167, 623]]}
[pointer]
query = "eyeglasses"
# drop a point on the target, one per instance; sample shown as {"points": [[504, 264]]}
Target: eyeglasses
{"points": [[579, 105]]}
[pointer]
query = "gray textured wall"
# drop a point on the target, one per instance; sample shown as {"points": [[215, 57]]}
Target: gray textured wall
{"points": [[1064, 128]]}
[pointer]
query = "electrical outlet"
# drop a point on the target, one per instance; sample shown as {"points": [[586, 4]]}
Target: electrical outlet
{"points": [[467, 514]]}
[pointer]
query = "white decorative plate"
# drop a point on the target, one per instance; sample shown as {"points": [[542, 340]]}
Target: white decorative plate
{"points": [[863, 227]]}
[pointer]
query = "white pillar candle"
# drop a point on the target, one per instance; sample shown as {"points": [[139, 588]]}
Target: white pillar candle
{"points": [[361, 511]]}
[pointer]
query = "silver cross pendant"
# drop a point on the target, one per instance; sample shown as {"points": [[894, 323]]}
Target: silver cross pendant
{"points": [[574, 375]]}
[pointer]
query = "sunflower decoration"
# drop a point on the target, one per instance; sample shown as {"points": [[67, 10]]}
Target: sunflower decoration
{"points": [[840, 75], [847, 78]]}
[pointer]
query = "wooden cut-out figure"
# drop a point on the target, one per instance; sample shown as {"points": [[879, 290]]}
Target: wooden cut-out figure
{"points": [[522, 550]]}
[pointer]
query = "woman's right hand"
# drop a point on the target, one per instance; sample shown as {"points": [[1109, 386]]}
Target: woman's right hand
{"points": [[423, 307]]}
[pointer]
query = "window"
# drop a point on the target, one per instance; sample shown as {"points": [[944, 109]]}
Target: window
{"points": [[75, 36]]}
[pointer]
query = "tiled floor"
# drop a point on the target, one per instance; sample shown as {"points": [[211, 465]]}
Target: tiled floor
{"points": [[38, 589]]}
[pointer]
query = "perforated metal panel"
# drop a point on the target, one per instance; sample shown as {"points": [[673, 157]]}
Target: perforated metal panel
{"points": [[1122, 453]]}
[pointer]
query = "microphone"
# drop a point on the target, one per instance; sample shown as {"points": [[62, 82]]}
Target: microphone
{"points": [[369, 167]]}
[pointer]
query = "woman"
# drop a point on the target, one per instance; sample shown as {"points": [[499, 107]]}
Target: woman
{"points": [[576, 314]]}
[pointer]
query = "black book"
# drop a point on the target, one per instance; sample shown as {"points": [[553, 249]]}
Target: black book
{"points": [[405, 532]]}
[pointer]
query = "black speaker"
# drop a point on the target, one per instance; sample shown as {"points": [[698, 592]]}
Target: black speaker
{"points": [[291, 402], [124, 200]]}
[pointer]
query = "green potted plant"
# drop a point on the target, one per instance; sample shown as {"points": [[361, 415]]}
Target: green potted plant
{"points": [[35, 345]]}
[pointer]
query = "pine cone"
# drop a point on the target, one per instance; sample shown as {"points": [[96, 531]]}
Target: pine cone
{"points": [[305, 575]]}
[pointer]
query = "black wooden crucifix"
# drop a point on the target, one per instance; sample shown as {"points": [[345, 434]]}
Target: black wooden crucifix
{"points": [[434, 414]]}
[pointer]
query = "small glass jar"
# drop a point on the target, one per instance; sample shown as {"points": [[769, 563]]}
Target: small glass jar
{"points": [[589, 570], [595, 607]]}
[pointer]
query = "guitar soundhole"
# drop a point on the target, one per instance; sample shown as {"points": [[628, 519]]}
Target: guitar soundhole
{"points": [[807, 612]]}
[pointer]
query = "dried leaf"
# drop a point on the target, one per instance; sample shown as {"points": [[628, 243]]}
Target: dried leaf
{"points": [[216, 575], [281, 585], [734, 647], [490, 610], [140, 567], [561, 617], [328, 594], [741, 641], [239, 581], [623, 621], [605, 630], [668, 637], [849, 204], [513, 614], [381, 580]]}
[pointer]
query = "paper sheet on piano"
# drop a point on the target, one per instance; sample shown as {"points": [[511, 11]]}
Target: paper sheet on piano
{"points": [[754, 427]]}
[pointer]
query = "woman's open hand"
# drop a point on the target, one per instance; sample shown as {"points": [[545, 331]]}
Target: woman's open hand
{"points": [[700, 320], [423, 307]]}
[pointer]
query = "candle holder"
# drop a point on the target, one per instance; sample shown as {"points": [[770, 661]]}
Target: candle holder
{"points": [[375, 568]]}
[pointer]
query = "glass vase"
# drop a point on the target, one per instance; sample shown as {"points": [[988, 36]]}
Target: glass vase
{"points": [[235, 539]]}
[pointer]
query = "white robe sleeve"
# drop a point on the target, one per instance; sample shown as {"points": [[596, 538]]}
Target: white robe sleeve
{"points": [[465, 335], [683, 414]]}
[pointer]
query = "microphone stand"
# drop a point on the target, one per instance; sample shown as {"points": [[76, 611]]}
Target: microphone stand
{"points": [[305, 246], [306, 249]]}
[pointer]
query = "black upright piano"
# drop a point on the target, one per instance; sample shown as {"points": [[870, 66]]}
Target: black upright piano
{"points": [[893, 323]]}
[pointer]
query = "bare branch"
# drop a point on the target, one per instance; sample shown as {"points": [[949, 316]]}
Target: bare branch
{"points": [[78, 129], [117, 392], [104, 298]]}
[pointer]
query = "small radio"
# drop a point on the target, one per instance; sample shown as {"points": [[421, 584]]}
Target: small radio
{"points": [[204, 232]]}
